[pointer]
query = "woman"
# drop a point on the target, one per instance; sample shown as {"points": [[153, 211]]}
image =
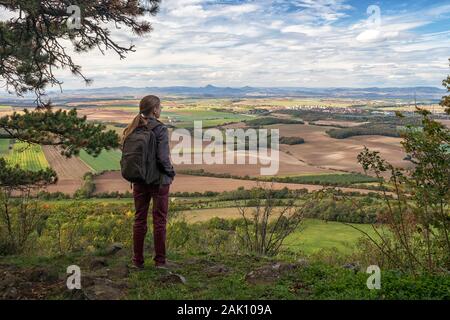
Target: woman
{"points": [[149, 113]]}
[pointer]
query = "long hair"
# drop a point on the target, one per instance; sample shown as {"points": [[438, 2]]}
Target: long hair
{"points": [[147, 107]]}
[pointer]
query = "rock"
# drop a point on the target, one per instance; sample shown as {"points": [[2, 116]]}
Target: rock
{"points": [[75, 295], [283, 267], [97, 263], [101, 289], [41, 275], [352, 266], [9, 280], [119, 271], [269, 274], [11, 294], [87, 280], [103, 292], [113, 249], [172, 278], [217, 270], [303, 263]]}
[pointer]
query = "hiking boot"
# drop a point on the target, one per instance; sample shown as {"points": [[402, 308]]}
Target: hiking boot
{"points": [[136, 267], [166, 266]]}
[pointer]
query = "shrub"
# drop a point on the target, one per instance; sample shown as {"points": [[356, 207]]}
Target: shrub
{"points": [[291, 140], [88, 187], [365, 129], [267, 121], [417, 217]]}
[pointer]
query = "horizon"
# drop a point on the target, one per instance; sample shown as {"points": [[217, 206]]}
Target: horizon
{"points": [[373, 93]]}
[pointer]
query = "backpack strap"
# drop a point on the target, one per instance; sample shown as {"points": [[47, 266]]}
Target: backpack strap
{"points": [[152, 126]]}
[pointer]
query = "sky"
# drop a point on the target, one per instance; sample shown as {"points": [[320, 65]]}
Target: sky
{"points": [[281, 43]]}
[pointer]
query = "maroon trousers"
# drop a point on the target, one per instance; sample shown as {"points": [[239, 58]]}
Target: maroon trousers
{"points": [[142, 195]]}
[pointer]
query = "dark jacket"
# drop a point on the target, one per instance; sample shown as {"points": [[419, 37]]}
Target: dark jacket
{"points": [[163, 151]]}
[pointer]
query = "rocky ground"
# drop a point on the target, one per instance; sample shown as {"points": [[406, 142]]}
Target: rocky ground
{"points": [[106, 275]]}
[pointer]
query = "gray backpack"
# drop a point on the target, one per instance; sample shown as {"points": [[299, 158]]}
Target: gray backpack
{"points": [[138, 163]]}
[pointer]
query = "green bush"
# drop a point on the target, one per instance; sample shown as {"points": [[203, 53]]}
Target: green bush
{"points": [[291, 140], [88, 187], [365, 129], [267, 121]]}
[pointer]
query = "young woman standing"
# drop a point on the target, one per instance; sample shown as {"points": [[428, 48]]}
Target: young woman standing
{"points": [[149, 113]]}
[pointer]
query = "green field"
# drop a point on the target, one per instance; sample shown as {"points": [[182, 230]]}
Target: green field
{"points": [[4, 146], [330, 179], [106, 161], [28, 157], [315, 235], [185, 118]]}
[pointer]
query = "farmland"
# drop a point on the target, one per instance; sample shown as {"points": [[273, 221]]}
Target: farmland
{"points": [[66, 168], [28, 157], [4, 146], [320, 160], [184, 118], [106, 161], [312, 236]]}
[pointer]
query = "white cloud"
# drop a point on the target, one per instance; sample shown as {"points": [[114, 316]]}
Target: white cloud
{"points": [[275, 43]]}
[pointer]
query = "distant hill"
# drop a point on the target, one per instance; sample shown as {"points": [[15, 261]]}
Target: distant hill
{"points": [[422, 93]]}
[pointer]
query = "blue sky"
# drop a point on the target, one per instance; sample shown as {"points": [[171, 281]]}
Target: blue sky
{"points": [[309, 43]]}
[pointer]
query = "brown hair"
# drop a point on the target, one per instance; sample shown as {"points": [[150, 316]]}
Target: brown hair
{"points": [[147, 107]]}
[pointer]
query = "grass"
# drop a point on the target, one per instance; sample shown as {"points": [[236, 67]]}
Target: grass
{"points": [[312, 236], [106, 161], [344, 179], [313, 282], [316, 281], [28, 157], [330, 179], [185, 118], [4, 146], [315, 235]]}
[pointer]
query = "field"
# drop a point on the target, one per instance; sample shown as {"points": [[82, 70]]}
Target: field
{"points": [[4, 146], [113, 182], [66, 168], [315, 235], [106, 161], [312, 236], [28, 157], [184, 118], [338, 154], [288, 102], [319, 160], [181, 116], [331, 179]]}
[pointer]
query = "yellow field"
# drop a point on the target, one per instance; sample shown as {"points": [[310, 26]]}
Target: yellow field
{"points": [[28, 157]]}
